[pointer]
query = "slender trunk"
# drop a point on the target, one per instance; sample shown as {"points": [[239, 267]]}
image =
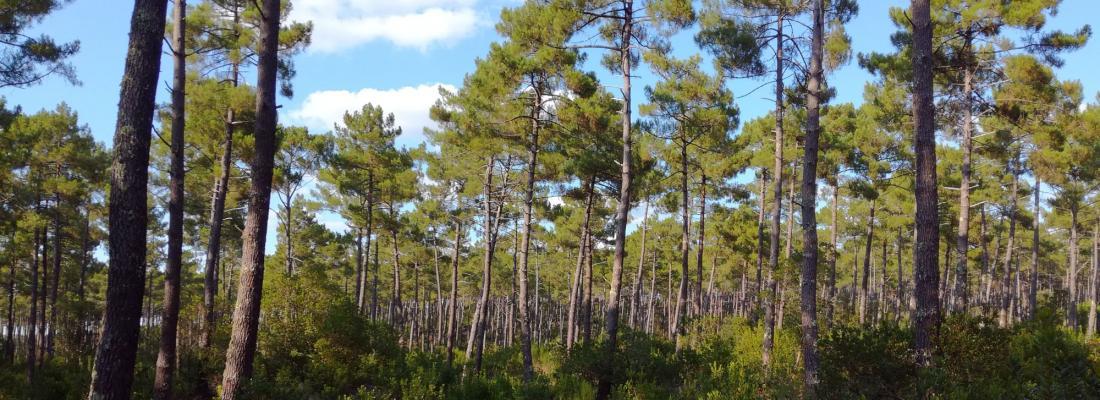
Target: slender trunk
{"points": [[9, 339], [452, 303], [901, 281], [438, 334], [477, 325], [685, 247], [246, 315], [1092, 282], [370, 230], [55, 276], [635, 300], [777, 171], [575, 292], [982, 298], [396, 315], [863, 290], [166, 356], [699, 303], [1071, 271], [1007, 295], [960, 301], [525, 247], [113, 374], [759, 283], [1034, 289], [830, 303], [360, 273], [217, 214], [809, 207], [926, 248], [622, 211], [32, 331]]}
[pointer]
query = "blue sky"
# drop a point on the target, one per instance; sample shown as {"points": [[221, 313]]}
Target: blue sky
{"points": [[395, 53]]}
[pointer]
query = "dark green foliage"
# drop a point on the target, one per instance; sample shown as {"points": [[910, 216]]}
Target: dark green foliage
{"points": [[974, 360]]}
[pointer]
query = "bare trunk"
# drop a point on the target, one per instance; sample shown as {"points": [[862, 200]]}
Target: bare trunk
{"points": [[809, 208], [166, 357], [452, 303], [634, 299], [246, 315], [576, 290], [622, 211], [960, 301], [926, 248], [1033, 290], [777, 171], [685, 247], [863, 291], [112, 376]]}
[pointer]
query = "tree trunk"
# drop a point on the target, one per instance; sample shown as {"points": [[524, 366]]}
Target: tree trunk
{"points": [[622, 211], [166, 357], [699, 303], [759, 284], [217, 214], [56, 277], [1007, 295], [112, 376], [575, 291], [962, 241], [685, 247], [777, 171], [1092, 282], [246, 315], [635, 300], [9, 339], [370, 231], [477, 329], [863, 290], [452, 304], [1034, 289], [809, 207], [1071, 271], [830, 303], [32, 331], [926, 248], [525, 246]]}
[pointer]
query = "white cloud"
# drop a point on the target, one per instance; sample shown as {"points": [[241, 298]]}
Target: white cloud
{"points": [[344, 24], [410, 106]]}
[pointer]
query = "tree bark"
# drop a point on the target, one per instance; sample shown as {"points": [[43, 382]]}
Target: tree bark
{"points": [[1071, 271], [830, 303], [525, 246], [700, 304], [635, 299], [246, 315], [1034, 289], [809, 207], [1091, 327], [962, 241], [217, 215], [926, 248], [863, 290], [777, 171], [576, 294], [1007, 295], [622, 211], [452, 304], [166, 356], [685, 247], [112, 376]]}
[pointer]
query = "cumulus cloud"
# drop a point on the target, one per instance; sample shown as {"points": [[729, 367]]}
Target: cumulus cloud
{"points": [[409, 105], [343, 24]]}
